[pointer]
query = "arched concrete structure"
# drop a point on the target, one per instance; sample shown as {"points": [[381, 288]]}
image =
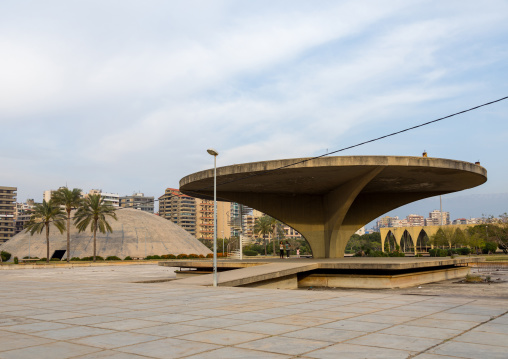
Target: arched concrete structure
{"points": [[328, 199], [414, 232]]}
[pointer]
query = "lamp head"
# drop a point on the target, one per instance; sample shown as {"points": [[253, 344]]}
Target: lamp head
{"points": [[212, 152]]}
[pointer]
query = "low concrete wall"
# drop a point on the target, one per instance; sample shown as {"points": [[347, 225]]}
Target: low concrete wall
{"points": [[381, 281], [287, 282]]}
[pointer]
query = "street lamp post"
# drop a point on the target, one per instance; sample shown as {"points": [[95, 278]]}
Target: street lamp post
{"points": [[214, 153]]}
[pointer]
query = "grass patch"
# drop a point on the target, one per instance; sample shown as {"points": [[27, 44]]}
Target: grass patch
{"points": [[473, 279]]}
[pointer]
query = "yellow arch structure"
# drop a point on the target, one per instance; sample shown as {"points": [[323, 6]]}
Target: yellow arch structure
{"points": [[414, 232]]}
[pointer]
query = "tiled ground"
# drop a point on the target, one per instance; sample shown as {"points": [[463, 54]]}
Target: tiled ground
{"points": [[92, 313]]}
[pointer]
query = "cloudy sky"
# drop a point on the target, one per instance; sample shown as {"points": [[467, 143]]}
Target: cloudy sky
{"points": [[127, 95]]}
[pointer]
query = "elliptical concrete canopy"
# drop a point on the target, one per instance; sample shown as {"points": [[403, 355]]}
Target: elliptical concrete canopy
{"points": [[327, 199]]}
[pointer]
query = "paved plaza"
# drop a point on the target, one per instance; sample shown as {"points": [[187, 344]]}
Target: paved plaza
{"points": [[106, 312]]}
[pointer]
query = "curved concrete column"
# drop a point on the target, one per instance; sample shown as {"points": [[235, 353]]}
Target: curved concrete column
{"points": [[328, 199]]}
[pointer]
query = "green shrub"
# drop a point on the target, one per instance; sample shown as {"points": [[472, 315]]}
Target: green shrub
{"points": [[378, 254], [99, 258], [489, 247], [437, 252], [42, 260], [5, 256], [27, 257], [201, 256], [16, 260], [182, 256], [192, 255], [168, 256], [250, 253], [396, 254], [210, 255], [153, 257], [128, 258], [55, 260], [113, 258], [74, 259], [464, 251]]}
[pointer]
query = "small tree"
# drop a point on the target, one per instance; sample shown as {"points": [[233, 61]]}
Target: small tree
{"points": [[263, 226], [93, 214], [45, 214]]}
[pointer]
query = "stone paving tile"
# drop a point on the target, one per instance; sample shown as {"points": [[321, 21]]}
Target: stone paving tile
{"points": [[10, 321], [237, 353], [323, 334], [35, 327], [95, 319], [253, 316], [216, 322], [126, 324], [351, 324], [445, 324], [134, 314], [300, 320], [110, 354], [328, 314], [16, 341], [470, 350], [421, 332], [401, 313], [484, 338], [170, 330], [29, 312], [60, 350], [266, 328], [395, 342], [72, 333], [174, 318], [211, 313], [492, 328], [433, 356], [115, 340], [57, 316], [460, 317], [386, 319], [168, 348], [477, 310], [222, 337], [501, 320], [285, 311], [284, 345], [354, 309], [350, 351]]}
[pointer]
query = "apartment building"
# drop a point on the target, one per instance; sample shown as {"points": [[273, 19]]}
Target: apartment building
{"points": [[138, 201], [204, 219], [438, 218], [7, 212], [112, 199], [179, 208]]}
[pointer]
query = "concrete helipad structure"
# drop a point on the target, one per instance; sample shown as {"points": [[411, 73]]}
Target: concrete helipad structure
{"points": [[327, 199]]}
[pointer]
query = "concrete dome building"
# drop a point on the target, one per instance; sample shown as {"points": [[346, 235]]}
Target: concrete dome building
{"points": [[135, 233]]}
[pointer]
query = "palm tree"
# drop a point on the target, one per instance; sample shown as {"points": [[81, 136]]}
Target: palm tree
{"points": [[93, 213], [263, 226], [43, 215], [70, 200]]}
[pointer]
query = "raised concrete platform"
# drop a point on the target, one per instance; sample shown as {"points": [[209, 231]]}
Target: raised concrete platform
{"points": [[340, 272]]}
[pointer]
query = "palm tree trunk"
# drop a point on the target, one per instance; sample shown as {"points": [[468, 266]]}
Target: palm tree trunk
{"points": [[264, 239], [68, 235], [47, 243], [94, 239], [273, 239]]}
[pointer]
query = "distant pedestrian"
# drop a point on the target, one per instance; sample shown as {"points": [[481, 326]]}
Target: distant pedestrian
{"points": [[298, 253], [288, 248], [281, 250]]}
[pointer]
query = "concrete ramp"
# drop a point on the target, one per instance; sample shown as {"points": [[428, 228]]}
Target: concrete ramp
{"points": [[270, 275]]}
